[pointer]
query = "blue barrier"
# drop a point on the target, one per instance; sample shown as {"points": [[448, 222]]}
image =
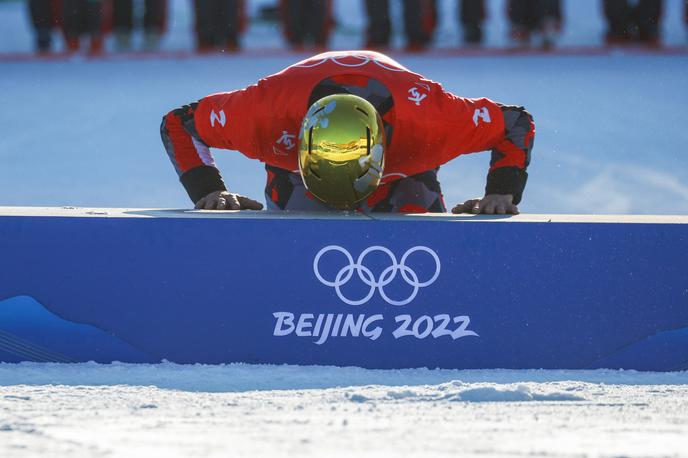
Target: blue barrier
{"points": [[530, 291]]}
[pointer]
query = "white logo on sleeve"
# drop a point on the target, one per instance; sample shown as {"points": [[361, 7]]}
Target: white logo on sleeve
{"points": [[219, 117], [416, 96], [481, 113], [287, 140]]}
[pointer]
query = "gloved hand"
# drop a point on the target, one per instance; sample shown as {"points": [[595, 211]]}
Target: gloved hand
{"points": [[224, 200], [491, 204]]}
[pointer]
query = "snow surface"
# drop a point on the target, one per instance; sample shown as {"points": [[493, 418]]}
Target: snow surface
{"points": [[243, 410], [611, 130]]}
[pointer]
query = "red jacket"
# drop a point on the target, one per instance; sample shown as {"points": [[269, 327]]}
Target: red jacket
{"points": [[430, 125]]}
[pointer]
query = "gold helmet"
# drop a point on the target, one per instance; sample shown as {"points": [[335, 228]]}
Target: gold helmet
{"points": [[342, 150]]}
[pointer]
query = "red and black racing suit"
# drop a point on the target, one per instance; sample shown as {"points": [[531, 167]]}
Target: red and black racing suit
{"points": [[426, 127]]}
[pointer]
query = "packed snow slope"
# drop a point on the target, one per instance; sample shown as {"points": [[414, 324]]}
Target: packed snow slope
{"points": [[611, 130], [240, 410]]}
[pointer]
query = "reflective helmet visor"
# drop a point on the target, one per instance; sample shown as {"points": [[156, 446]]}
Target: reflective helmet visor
{"points": [[341, 153]]}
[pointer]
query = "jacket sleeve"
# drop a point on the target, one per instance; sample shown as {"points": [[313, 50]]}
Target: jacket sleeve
{"points": [[190, 156], [473, 125], [511, 154], [219, 121]]}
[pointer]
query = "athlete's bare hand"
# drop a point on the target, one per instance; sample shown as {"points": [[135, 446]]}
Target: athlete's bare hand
{"points": [[223, 200], [491, 204]]}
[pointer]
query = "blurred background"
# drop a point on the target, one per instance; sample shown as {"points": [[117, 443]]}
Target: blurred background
{"points": [[84, 84], [102, 26]]}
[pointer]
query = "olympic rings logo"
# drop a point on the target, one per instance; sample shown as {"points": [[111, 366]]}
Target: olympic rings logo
{"points": [[386, 276], [352, 60]]}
